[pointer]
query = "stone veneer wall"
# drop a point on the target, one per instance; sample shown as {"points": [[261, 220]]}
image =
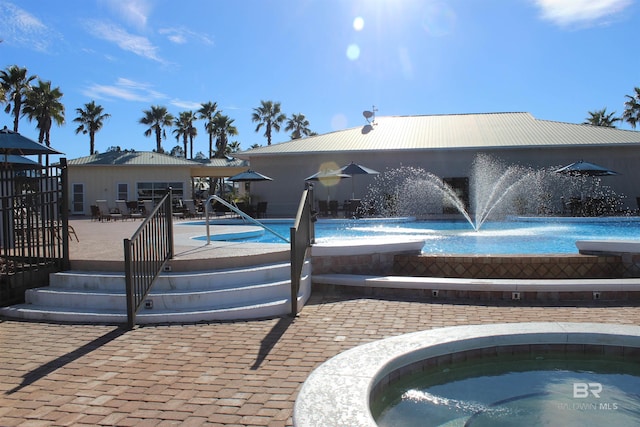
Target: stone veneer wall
{"points": [[510, 266], [367, 264]]}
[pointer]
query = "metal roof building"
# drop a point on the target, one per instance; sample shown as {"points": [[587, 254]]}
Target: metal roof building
{"points": [[445, 145]]}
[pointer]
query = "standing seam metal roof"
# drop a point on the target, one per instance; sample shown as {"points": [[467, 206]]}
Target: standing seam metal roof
{"points": [[459, 131]]}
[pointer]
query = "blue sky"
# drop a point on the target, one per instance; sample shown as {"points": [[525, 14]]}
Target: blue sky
{"points": [[326, 59]]}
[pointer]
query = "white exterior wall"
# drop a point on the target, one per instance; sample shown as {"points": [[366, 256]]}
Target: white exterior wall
{"points": [[288, 171], [100, 182]]}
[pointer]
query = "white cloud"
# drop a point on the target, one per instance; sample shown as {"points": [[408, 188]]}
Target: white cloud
{"points": [[126, 89], [181, 35], [187, 105], [581, 12], [21, 28], [133, 12], [138, 45]]}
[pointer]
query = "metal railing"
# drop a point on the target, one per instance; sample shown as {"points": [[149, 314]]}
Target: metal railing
{"points": [[146, 254], [302, 237], [33, 227], [239, 212]]}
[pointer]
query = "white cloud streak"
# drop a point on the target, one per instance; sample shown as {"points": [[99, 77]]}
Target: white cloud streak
{"points": [[125, 89], [186, 105], [138, 45], [181, 35], [133, 12], [581, 12], [23, 29]]}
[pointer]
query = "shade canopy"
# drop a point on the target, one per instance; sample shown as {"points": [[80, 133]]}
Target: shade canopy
{"points": [[13, 143], [355, 169], [582, 168], [249, 176], [19, 162], [327, 175]]}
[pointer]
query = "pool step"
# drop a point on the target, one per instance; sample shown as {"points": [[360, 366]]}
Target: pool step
{"points": [[501, 289], [230, 294]]}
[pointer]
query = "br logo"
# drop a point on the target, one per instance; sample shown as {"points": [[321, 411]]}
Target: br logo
{"points": [[583, 390]]}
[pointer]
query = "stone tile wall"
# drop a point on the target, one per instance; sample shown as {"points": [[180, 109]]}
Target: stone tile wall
{"points": [[510, 266]]}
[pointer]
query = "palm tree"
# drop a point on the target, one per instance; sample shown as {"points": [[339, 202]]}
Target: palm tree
{"points": [[269, 116], [91, 119], [223, 129], [157, 118], [631, 112], [208, 112], [185, 129], [15, 85], [601, 118], [44, 106], [233, 147], [299, 124]]}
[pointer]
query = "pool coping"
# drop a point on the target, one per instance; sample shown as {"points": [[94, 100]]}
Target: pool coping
{"points": [[337, 393]]}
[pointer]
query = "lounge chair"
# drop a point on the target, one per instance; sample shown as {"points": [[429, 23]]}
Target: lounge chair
{"points": [[148, 207], [106, 214], [125, 211]]}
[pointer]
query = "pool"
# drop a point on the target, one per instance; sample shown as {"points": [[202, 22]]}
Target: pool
{"points": [[517, 236], [539, 387], [343, 390]]}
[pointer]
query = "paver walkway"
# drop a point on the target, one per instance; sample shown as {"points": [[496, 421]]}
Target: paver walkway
{"points": [[243, 373]]}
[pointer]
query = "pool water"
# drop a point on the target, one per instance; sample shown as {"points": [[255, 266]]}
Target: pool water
{"points": [[550, 389], [528, 236]]}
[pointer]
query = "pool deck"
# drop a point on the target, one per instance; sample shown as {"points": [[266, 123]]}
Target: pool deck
{"points": [[245, 373]]}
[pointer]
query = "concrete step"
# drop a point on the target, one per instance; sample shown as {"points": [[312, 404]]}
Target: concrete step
{"points": [[196, 280], [178, 299], [230, 294], [64, 314]]}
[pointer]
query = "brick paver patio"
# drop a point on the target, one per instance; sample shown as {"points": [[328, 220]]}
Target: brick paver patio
{"points": [[243, 373]]}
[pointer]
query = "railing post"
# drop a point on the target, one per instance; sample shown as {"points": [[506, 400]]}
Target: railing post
{"points": [[64, 182], [131, 310], [170, 222], [295, 275]]}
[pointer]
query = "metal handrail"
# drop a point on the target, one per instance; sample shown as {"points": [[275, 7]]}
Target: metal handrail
{"points": [[302, 237], [239, 212], [146, 254]]}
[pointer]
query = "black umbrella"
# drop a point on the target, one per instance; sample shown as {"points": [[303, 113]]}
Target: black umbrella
{"points": [[14, 143], [582, 168], [19, 162], [328, 178], [355, 169], [249, 176]]}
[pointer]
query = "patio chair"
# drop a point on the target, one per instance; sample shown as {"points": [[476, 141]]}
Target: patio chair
{"points": [[323, 207], [333, 208], [95, 213], [106, 214], [261, 210], [125, 211], [191, 210], [148, 207]]}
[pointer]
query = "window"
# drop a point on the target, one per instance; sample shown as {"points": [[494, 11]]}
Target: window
{"points": [[123, 191], [156, 190], [77, 199]]}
